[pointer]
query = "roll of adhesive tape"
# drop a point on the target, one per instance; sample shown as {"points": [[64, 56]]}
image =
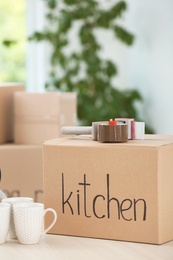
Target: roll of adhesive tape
{"points": [[138, 130], [95, 129], [129, 122], [113, 134]]}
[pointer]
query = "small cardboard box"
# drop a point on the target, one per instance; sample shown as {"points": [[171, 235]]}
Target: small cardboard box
{"points": [[39, 116], [111, 191], [21, 170], [6, 110]]}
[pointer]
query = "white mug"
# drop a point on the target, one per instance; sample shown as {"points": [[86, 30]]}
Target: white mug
{"points": [[12, 201], [29, 222], [2, 195], [4, 221]]}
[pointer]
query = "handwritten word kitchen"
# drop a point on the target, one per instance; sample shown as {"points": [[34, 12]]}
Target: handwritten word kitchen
{"points": [[80, 202]]}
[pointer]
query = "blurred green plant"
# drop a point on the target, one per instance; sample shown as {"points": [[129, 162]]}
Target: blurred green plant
{"points": [[83, 70], [12, 41]]}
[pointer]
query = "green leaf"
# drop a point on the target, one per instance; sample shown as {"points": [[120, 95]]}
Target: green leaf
{"points": [[38, 36], [71, 2], [117, 9], [123, 35], [9, 43], [103, 19], [110, 69], [51, 3], [65, 21]]}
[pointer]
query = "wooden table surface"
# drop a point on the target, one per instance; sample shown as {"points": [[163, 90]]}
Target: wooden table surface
{"points": [[56, 247]]}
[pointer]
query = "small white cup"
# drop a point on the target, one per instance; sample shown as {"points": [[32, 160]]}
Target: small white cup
{"points": [[12, 201], [2, 195], [29, 222], [4, 221]]}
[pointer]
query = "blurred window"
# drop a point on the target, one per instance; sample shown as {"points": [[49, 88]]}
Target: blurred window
{"points": [[12, 41]]}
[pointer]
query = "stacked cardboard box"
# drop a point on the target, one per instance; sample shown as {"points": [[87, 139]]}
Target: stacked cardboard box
{"points": [[39, 116], [121, 191], [26, 121], [21, 167], [7, 110]]}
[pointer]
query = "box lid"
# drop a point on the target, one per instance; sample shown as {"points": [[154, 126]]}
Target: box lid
{"points": [[83, 141]]}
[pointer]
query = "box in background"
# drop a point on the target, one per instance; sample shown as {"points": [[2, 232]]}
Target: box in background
{"points": [[111, 191], [39, 116], [6, 110], [21, 170]]}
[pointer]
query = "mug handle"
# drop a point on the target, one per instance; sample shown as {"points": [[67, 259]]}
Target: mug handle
{"points": [[53, 222]]}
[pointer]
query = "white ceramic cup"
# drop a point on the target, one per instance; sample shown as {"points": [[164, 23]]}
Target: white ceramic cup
{"points": [[4, 221], [29, 222], [12, 201], [2, 195]]}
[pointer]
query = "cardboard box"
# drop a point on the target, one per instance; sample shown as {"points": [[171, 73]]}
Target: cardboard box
{"points": [[6, 110], [39, 116], [21, 170], [111, 191]]}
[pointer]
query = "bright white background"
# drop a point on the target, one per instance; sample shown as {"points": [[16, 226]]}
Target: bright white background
{"points": [[146, 66]]}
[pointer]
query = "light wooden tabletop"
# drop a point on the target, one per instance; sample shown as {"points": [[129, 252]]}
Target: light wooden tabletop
{"points": [[56, 247]]}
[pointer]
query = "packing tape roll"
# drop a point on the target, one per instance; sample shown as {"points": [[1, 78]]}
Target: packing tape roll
{"points": [[95, 129], [129, 122], [138, 130], [113, 134]]}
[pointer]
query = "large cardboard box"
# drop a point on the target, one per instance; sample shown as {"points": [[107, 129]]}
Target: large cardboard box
{"points": [[39, 116], [7, 110], [21, 170], [111, 191]]}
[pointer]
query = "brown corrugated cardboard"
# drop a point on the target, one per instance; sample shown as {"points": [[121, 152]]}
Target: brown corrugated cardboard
{"points": [[39, 116], [6, 110], [111, 191], [21, 170]]}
